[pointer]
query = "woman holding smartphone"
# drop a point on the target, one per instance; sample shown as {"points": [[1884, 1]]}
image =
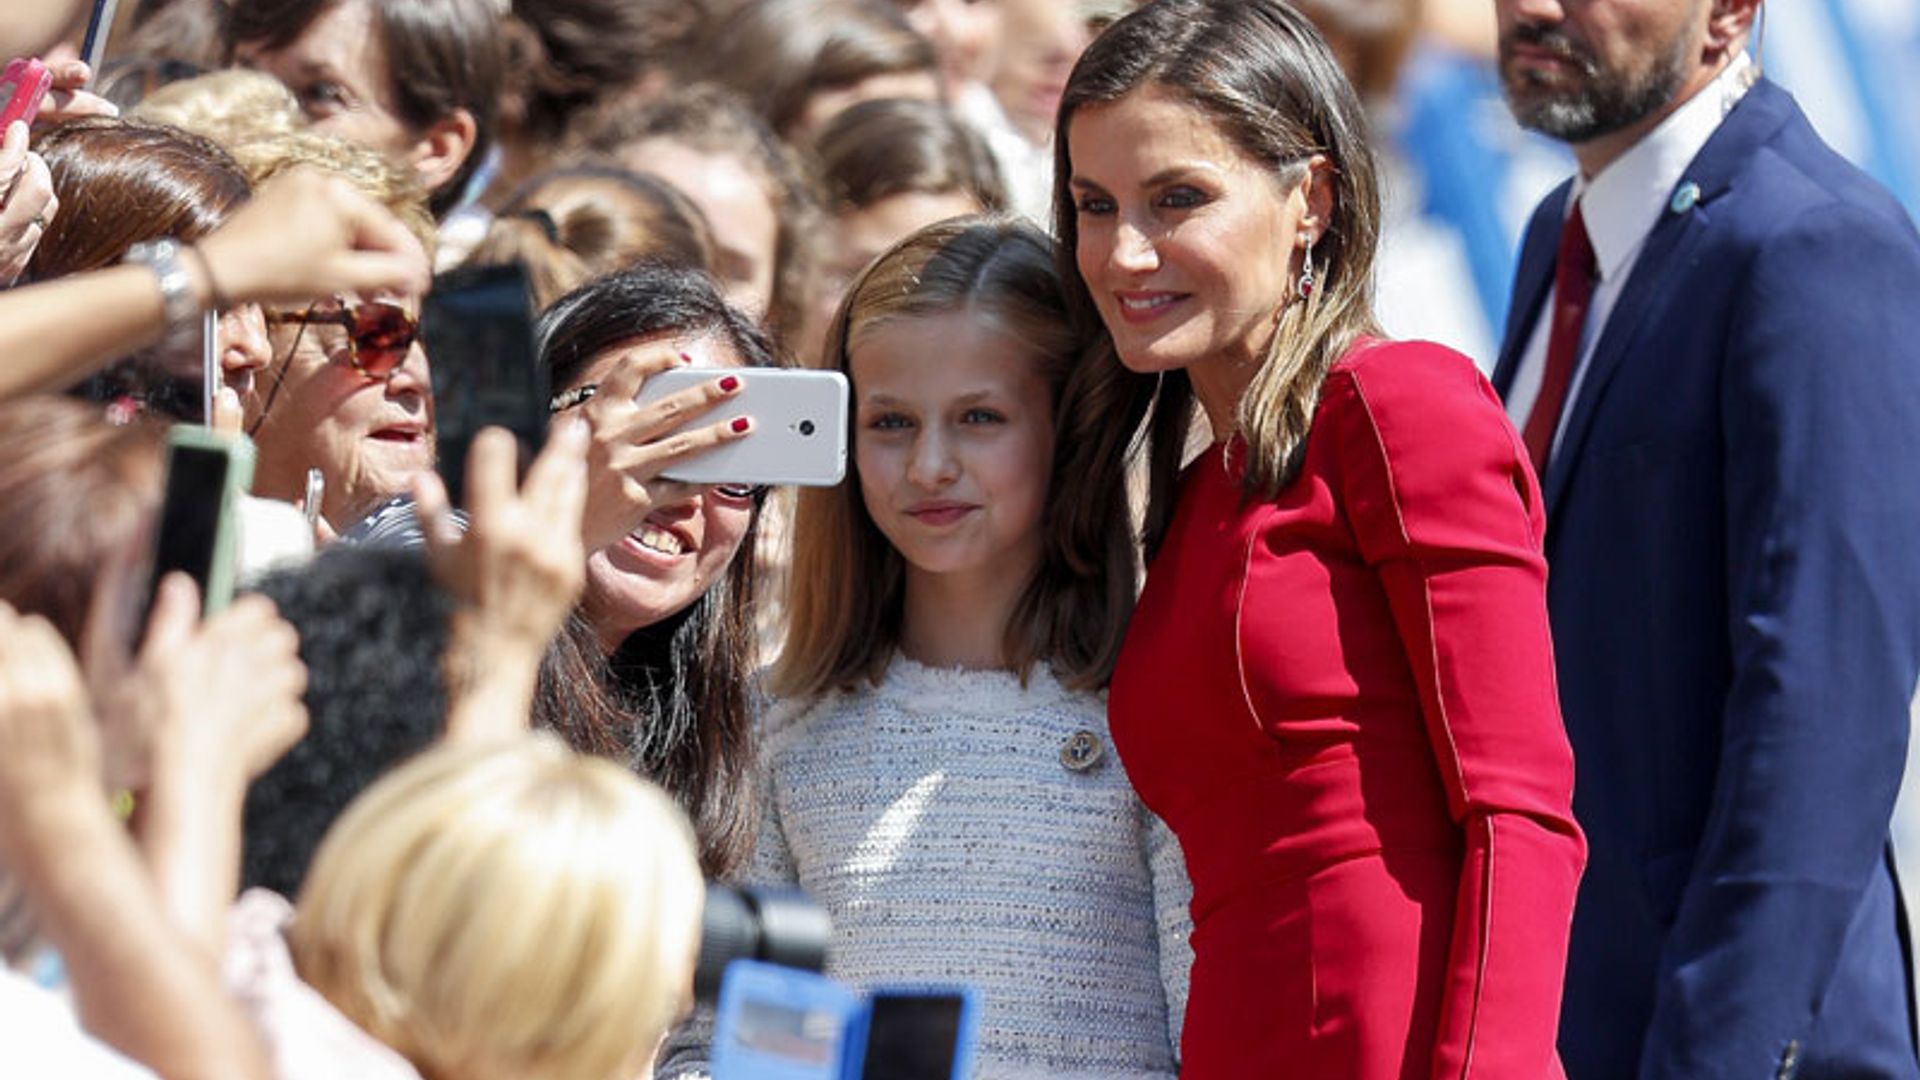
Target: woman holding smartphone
{"points": [[1337, 687], [666, 626]]}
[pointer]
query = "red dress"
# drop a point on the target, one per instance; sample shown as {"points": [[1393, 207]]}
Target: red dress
{"points": [[1342, 701]]}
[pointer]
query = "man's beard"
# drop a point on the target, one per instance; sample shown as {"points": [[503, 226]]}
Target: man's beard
{"points": [[1603, 102]]}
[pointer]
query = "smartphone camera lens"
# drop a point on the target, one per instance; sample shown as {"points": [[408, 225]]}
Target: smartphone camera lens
{"points": [[806, 427]]}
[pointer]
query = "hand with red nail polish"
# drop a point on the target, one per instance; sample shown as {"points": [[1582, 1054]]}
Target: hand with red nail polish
{"points": [[634, 442]]}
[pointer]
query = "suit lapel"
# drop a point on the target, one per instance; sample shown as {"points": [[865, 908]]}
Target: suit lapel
{"points": [[1661, 269], [1531, 283]]}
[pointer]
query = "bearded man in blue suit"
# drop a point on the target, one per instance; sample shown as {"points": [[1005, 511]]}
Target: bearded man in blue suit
{"points": [[1714, 358]]}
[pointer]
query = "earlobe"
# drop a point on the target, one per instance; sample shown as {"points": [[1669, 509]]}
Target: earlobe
{"points": [[443, 148]]}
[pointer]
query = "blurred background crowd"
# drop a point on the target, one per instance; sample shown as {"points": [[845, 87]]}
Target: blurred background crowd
{"points": [[772, 147]]}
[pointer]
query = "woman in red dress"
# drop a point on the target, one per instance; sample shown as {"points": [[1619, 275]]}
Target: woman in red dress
{"points": [[1338, 685]]}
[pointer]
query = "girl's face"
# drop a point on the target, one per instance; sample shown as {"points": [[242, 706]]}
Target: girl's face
{"points": [[953, 438], [683, 546], [1188, 245]]}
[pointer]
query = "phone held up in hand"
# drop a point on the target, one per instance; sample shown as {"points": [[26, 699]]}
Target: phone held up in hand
{"points": [[799, 433], [778, 1023], [477, 326], [23, 86], [207, 473]]}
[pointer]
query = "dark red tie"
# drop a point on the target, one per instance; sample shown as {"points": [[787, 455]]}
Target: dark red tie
{"points": [[1573, 277]]}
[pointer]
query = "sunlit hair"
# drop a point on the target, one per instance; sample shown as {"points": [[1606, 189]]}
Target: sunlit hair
{"points": [[122, 182], [373, 173], [894, 146], [848, 582], [1261, 75], [230, 107], [571, 225], [510, 910]]}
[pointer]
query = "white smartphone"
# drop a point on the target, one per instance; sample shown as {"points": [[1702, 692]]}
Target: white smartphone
{"points": [[799, 431]]}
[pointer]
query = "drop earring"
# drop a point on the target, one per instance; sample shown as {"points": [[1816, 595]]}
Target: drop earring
{"points": [[1306, 283]]}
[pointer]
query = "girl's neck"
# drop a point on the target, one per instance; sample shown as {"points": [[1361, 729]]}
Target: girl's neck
{"points": [[960, 620]]}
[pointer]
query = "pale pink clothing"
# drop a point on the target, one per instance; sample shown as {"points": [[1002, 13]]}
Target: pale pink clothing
{"points": [[308, 1038]]}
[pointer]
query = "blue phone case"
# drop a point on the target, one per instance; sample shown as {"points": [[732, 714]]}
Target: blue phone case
{"points": [[775, 1023]]}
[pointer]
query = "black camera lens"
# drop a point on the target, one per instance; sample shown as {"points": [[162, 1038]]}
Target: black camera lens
{"points": [[806, 427], [778, 926]]}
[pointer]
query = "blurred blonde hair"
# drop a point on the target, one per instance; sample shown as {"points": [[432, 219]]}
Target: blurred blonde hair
{"points": [[230, 107], [377, 176], [506, 910]]}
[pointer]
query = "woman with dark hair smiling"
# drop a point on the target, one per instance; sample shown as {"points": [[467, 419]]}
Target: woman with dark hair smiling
{"points": [[418, 80], [1338, 684], [669, 601]]}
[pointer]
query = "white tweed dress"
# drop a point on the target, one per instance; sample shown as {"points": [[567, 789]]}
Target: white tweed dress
{"points": [[958, 827]]}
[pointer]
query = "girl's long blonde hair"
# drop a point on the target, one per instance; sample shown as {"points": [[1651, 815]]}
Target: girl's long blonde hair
{"points": [[1261, 74], [848, 582]]}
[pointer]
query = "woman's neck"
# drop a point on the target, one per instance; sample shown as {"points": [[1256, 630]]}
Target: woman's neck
{"points": [[1219, 382], [960, 620]]}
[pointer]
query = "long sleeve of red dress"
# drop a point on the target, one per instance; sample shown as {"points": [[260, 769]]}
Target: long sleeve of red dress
{"points": [[1442, 507]]}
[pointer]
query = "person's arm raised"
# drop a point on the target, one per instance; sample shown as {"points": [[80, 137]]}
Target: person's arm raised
{"points": [[304, 236], [136, 983], [516, 572]]}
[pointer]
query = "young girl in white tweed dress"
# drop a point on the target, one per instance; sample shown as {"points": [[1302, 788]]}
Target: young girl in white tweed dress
{"points": [[938, 769]]}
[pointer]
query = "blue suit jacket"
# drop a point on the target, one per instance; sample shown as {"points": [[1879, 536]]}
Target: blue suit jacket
{"points": [[1733, 545]]}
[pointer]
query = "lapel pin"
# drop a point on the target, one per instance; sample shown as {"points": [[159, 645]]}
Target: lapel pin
{"points": [[1684, 197]]}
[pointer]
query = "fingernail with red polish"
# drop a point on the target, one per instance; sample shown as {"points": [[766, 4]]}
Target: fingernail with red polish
{"points": [[685, 359], [730, 383], [741, 424]]}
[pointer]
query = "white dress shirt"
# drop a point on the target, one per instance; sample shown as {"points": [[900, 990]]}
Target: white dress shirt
{"points": [[1622, 205]]}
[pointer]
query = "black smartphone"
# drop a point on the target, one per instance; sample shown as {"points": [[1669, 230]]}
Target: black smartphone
{"points": [[918, 1036], [477, 328], [207, 473], [93, 48]]}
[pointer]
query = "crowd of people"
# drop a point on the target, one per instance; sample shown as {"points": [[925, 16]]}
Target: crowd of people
{"points": [[1216, 683]]}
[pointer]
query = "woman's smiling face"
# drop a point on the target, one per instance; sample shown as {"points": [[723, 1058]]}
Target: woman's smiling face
{"points": [[1186, 243], [685, 544]]}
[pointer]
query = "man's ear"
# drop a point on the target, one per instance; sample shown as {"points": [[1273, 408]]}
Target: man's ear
{"points": [[1728, 24], [443, 148]]}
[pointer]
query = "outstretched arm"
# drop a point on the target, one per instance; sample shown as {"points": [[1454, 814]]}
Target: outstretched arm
{"points": [[305, 236], [138, 983]]}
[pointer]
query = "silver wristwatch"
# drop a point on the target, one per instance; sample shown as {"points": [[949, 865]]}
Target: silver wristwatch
{"points": [[163, 257]]}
